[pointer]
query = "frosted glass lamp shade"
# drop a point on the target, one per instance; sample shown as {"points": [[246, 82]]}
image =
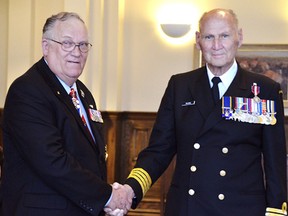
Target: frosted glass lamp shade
{"points": [[175, 30]]}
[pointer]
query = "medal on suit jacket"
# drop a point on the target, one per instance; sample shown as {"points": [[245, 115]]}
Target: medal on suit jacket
{"points": [[95, 115], [250, 110]]}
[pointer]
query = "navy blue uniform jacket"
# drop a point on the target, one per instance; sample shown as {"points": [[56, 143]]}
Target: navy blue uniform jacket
{"points": [[218, 162], [52, 166]]}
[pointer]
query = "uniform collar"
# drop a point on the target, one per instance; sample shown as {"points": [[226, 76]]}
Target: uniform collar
{"points": [[227, 77]]}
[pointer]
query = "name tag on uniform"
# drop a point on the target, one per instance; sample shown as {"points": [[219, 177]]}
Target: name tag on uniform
{"points": [[95, 115]]}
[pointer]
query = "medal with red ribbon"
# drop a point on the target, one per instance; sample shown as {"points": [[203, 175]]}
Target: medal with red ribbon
{"points": [[255, 90]]}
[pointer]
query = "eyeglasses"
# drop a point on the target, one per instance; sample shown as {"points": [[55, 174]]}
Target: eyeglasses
{"points": [[69, 46]]}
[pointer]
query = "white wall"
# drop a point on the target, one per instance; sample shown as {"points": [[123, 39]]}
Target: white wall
{"points": [[130, 62]]}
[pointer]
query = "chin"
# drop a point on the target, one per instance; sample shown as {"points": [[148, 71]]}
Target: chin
{"points": [[75, 74], [217, 64]]}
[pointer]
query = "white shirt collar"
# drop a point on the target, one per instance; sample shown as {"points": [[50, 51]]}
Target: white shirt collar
{"points": [[227, 77], [67, 87]]}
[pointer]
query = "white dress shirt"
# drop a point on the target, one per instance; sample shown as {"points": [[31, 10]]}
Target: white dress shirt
{"points": [[226, 78]]}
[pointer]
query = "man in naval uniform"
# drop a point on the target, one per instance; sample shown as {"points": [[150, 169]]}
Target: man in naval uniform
{"points": [[230, 154]]}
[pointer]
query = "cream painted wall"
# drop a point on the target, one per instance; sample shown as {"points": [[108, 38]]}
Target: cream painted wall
{"points": [[149, 61], [3, 49], [130, 62]]}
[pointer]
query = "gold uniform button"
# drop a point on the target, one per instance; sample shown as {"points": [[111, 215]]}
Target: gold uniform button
{"points": [[221, 197], [223, 173], [196, 146], [191, 192], [193, 168], [225, 150]]}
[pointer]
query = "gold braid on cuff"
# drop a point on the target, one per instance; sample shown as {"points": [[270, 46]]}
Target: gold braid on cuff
{"points": [[277, 212], [142, 177]]}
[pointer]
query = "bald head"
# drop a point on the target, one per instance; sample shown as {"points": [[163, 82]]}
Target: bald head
{"points": [[219, 13]]}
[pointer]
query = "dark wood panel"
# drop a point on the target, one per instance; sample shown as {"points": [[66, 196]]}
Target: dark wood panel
{"points": [[112, 123], [131, 134], [126, 134]]}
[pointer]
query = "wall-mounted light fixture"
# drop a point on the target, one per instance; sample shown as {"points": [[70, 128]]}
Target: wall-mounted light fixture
{"points": [[176, 22], [175, 30]]}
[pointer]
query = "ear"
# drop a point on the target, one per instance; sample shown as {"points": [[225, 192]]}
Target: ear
{"points": [[45, 47], [197, 37], [240, 37]]}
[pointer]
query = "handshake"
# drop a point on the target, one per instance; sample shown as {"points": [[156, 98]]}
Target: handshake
{"points": [[121, 200]]}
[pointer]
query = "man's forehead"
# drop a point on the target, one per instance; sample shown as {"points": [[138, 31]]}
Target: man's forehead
{"points": [[70, 26], [216, 23]]}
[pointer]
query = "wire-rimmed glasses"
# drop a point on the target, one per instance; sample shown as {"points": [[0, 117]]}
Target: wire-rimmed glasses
{"points": [[69, 46]]}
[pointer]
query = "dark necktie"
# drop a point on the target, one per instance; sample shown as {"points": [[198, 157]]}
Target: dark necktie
{"points": [[215, 89]]}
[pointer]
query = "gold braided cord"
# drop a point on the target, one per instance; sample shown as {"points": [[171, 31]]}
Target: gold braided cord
{"points": [[284, 207], [277, 212], [274, 214], [142, 177], [140, 181]]}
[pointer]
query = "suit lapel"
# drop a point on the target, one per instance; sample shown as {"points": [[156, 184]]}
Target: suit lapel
{"points": [[201, 92], [239, 86], [93, 125], [83, 99], [60, 93], [57, 88]]}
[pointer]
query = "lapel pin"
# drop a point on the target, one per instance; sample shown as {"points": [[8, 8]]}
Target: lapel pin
{"points": [[95, 115], [189, 103], [82, 93]]}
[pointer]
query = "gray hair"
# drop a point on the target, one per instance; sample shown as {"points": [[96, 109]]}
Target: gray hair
{"points": [[62, 16]]}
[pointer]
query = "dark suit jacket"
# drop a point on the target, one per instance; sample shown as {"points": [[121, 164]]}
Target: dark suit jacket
{"points": [[228, 179], [52, 166]]}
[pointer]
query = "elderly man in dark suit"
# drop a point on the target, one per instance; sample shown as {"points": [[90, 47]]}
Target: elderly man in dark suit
{"points": [[219, 130], [53, 147]]}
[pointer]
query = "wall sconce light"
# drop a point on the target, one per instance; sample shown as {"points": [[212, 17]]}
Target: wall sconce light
{"points": [[175, 30]]}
